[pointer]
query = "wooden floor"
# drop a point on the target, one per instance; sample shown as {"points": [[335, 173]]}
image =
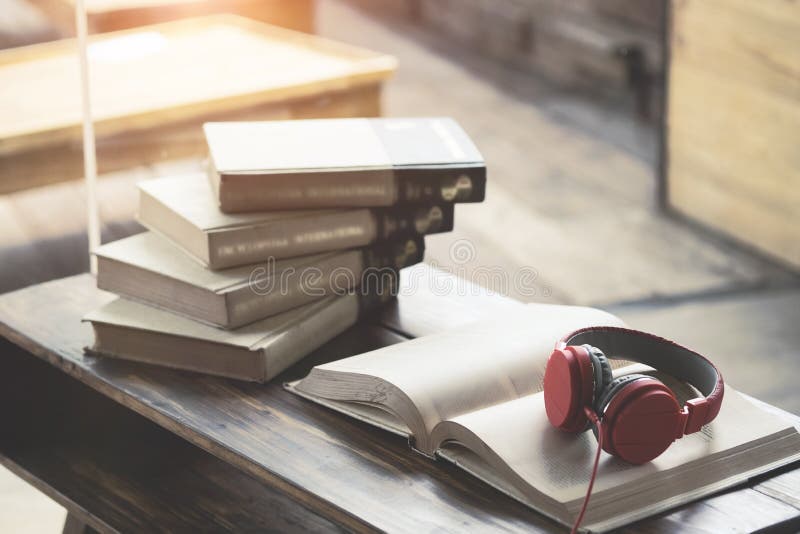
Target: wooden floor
{"points": [[570, 208]]}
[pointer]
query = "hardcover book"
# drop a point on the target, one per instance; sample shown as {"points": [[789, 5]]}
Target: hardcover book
{"points": [[479, 405], [257, 352], [148, 268], [327, 163], [183, 209]]}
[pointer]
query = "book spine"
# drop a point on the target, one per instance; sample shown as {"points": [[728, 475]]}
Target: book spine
{"points": [[377, 289], [307, 190], [292, 237], [275, 292], [415, 220], [269, 293], [442, 184], [394, 254], [117, 342]]}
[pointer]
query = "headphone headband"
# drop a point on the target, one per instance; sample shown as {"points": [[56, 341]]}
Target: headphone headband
{"points": [[664, 355]]}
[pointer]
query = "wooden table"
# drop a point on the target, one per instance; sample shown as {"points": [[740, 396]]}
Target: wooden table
{"points": [[127, 447]]}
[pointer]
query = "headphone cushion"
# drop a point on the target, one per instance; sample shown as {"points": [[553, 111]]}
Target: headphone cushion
{"points": [[612, 388], [602, 371]]}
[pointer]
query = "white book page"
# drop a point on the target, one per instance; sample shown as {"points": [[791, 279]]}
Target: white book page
{"points": [[470, 368], [559, 464]]}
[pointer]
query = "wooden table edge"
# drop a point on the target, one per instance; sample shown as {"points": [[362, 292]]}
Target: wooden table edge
{"points": [[308, 499]]}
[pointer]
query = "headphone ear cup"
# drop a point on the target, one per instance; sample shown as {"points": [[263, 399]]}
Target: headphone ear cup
{"points": [[638, 418], [568, 388], [605, 396]]}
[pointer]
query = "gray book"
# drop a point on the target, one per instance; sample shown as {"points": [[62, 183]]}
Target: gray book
{"points": [[183, 209], [149, 268], [324, 163], [258, 352]]}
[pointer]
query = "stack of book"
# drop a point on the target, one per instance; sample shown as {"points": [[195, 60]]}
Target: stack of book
{"points": [[298, 229]]}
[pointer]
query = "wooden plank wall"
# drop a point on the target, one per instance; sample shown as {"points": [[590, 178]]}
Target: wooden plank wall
{"points": [[733, 120], [610, 47]]}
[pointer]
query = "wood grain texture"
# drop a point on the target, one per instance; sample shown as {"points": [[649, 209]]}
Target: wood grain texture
{"points": [[249, 69], [742, 511], [74, 525], [733, 117], [282, 439], [111, 15], [350, 473], [782, 487], [119, 471]]}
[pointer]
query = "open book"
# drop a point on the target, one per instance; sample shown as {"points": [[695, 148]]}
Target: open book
{"points": [[473, 396]]}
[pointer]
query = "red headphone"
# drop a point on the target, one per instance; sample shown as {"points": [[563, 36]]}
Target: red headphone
{"points": [[639, 417]]}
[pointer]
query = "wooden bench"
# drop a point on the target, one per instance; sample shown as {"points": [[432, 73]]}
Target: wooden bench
{"points": [[127, 447], [153, 88], [112, 15]]}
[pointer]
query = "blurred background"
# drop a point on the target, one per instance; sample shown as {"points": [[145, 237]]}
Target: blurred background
{"points": [[643, 154]]}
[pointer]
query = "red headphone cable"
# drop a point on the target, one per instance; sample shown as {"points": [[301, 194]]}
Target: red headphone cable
{"points": [[594, 419]]}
